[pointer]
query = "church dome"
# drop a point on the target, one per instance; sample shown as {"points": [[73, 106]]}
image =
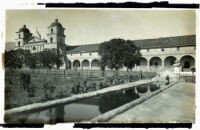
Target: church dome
{"points": [[56, 23], [24, 29]]}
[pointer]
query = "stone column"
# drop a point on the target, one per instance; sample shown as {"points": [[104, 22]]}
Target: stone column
{"points": [[148, 64], [81, 67], [163, 64], [72, 64], [90, 64]]}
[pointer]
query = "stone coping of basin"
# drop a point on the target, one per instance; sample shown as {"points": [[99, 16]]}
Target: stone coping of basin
{"points": [[110, 114], [42, 106]]}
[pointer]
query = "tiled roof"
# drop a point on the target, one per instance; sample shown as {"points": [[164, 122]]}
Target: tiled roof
{"points": [[35, 40], [83, 48], [188, 40], [167, 42]]}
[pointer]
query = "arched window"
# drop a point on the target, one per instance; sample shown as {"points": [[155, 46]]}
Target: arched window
{"points": [[187, 64], [51, 40], [156, 64], [19, 35], [143, 62], [18, 44], [94, 64], [171, 62], [52, 30]]}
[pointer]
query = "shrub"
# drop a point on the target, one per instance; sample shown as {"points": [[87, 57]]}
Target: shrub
{"points": [[31, 91], [76, 88], [93, 85], [49, 89], [103, 85], [63, 93], [25, 80], [133, 78], [73, 89]]}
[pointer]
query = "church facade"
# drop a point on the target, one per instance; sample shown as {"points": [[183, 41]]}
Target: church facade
{"points": [[157, 54], [26, 40]]}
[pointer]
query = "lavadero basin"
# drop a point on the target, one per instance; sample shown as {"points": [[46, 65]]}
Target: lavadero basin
{"points": [[79, 109]]}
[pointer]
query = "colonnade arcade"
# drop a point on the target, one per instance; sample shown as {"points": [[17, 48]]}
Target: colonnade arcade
{"points": [[146, 63], [84, 64], [166, 63]]}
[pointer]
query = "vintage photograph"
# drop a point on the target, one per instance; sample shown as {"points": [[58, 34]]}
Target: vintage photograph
{"points": [[100, 65]]}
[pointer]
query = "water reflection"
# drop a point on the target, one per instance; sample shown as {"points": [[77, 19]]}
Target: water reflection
{"points": [[89, 108], [114, 100], [59, 114]]}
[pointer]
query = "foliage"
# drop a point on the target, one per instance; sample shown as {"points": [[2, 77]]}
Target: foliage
{"points": [[88, 86], [133, 78], [131, 55], [15, 59], [63, 49], [103, 85], [117, 53], [27, 34], [50, 57], [63, 93], [102, 65], [111, 53], [25, 80], [49, 89], [32, 60]]}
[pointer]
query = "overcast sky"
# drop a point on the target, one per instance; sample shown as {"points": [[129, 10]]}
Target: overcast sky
{"points": [[95, 26]]}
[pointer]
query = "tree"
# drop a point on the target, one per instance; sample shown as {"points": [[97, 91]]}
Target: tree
{"points": [[32, 60], [117, 53], [50, 57], [131, 55], [16, 58], [102, 65], [63, 48], [111, 53]]}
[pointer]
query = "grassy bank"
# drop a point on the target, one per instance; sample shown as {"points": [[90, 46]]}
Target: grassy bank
{"points": [[63, 84]]}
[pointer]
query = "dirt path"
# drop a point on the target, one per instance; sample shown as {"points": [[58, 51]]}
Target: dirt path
{"points": [[176, 104]]}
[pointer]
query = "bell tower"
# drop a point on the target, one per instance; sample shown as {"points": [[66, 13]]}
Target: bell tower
{"points": [[55, 35], [22, 37]]}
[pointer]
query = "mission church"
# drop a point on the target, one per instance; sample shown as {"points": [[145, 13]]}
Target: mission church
{"points": [[157, 54]]}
